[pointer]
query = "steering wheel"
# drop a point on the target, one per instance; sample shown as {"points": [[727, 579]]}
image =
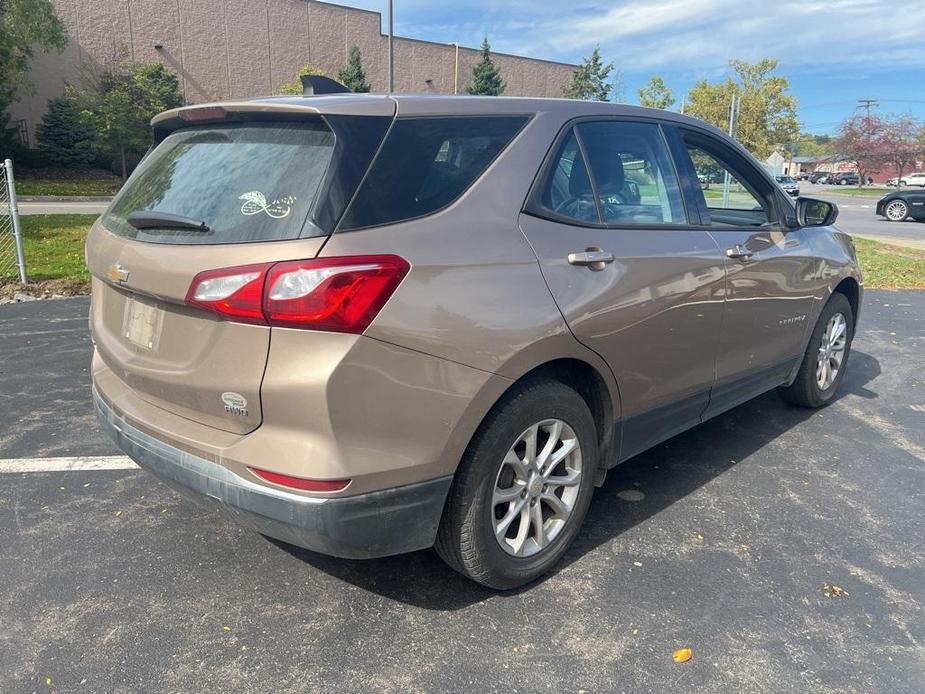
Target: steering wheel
{"points": [[579, 207]]}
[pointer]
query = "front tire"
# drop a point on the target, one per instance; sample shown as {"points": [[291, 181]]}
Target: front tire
{"points": [[896, 211], [826, 357], [523, 487]]}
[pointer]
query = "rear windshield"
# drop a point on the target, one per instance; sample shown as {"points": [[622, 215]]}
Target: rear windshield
{"points": [[249, 182], [427, 163]]}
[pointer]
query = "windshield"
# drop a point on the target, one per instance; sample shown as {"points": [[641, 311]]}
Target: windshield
{"points": [[249, 182], [785, 179]]}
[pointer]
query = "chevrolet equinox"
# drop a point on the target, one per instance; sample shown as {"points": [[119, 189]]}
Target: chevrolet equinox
{"points": [[371, 324]]}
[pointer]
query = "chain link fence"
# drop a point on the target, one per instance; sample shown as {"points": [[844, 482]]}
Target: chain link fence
{"points": [[12, 258]]}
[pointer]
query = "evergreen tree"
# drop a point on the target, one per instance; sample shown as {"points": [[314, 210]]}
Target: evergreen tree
{"points": [[486, 77], [64, 137], [590, 79], [352, 76]]}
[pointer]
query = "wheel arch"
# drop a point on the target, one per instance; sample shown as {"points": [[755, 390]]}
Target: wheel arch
{"points": [[851, 289]]}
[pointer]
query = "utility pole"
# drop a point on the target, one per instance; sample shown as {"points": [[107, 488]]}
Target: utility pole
{"points": [[456, 69], [391, 47], [727, 179], [868, 104]]}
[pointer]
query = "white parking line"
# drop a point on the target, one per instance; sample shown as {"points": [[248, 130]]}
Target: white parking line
{"points": [[75, 464]]}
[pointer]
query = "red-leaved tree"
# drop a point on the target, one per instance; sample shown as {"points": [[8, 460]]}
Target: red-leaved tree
{"points": [[901, 145], [861, 141]]}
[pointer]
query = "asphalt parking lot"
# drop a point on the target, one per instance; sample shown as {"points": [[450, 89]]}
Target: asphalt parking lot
{"points": [[722, 540]]}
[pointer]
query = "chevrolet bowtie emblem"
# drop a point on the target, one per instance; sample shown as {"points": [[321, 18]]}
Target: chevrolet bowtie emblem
{"points": [[117, 273]]}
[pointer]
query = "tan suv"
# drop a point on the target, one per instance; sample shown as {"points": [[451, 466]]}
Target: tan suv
{"points": [[368, 325]]}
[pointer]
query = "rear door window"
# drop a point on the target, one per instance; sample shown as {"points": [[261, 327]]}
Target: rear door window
{"points": [[249, 182], [425, 164]]}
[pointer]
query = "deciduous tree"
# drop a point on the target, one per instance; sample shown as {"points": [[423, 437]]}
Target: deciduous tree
{"points": [[486, 76], [767, 115], [901, 145], [120, 101], [861, 141], [294, 87], [24, 26], [656, 94], [590, 81]]}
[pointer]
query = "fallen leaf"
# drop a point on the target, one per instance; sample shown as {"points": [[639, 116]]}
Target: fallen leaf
{"points": [[226, 628], [682, 655], [48, 681], [833, 591]]}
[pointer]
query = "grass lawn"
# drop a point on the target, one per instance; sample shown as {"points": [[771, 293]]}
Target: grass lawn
{"points": [[854, 191], [890, 267], [66, 182], [54, 247]]}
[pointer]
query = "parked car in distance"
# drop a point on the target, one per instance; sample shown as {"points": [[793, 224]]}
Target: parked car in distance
{"points": [[820, 177], [371, 324], [902, 205], [846, 179], [804, 176], [789, 185], [911, 179]]}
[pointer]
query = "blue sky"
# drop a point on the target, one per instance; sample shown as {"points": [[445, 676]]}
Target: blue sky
{"points": [[833, 51]]}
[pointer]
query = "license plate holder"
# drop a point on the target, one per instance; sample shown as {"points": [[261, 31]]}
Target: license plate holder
{"points": [[141, 324]]}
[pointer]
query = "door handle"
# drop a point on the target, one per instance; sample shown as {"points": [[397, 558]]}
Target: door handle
{"points": [[739, 252], [592, 258]]}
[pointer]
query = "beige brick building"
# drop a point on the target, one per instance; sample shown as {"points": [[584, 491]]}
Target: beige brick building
{"points": [[244, 48]]}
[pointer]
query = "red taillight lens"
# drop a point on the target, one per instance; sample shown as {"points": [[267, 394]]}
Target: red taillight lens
{"points": [[300, 482], [235, 292], [334, 294]]}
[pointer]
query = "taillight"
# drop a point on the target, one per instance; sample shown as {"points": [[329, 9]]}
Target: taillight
{"points": [[300, 482], [332, 294], [336, 294], [235, 293]]}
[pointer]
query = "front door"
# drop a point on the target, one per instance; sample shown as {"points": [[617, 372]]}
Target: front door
{"points": [[635, 281], [770, 272]]}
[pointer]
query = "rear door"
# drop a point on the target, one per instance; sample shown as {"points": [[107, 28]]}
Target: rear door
{"points": [[635, 281], [262, 190], [771, 271]]}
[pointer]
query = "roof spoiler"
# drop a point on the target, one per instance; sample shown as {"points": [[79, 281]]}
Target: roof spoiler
{"points": [[314, 85]]}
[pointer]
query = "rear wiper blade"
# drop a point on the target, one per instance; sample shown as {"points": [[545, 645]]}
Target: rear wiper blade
{"points": [[150, 219]]}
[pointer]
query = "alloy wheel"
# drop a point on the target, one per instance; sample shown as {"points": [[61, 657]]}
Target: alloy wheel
{"points": [[831, 351], [536, 488], [896, 211]]}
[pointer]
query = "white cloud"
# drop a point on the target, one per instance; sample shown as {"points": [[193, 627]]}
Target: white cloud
{"points": [[692, 35]]}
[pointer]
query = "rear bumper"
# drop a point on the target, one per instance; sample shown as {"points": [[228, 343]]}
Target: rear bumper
{"points": [[376, 524]]}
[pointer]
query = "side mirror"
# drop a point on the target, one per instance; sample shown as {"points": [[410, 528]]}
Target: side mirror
{"points": [[815, 213]]}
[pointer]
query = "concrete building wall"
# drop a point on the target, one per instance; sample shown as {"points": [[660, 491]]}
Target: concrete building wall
{"points": [[231, 49]]}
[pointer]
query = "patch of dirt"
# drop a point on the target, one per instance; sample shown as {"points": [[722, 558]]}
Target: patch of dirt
{"points": [[46, 289]]}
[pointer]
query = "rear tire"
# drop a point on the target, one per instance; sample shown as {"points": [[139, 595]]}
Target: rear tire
{"points": [[896, 211], [818, 378], [501, 527]]}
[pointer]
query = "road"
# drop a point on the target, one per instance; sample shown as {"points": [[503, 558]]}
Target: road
{"points": [[856, 216], [722, 539], [65, 207]]}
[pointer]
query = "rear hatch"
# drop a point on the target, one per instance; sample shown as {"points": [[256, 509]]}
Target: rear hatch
{"points": [[236, 190]]}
